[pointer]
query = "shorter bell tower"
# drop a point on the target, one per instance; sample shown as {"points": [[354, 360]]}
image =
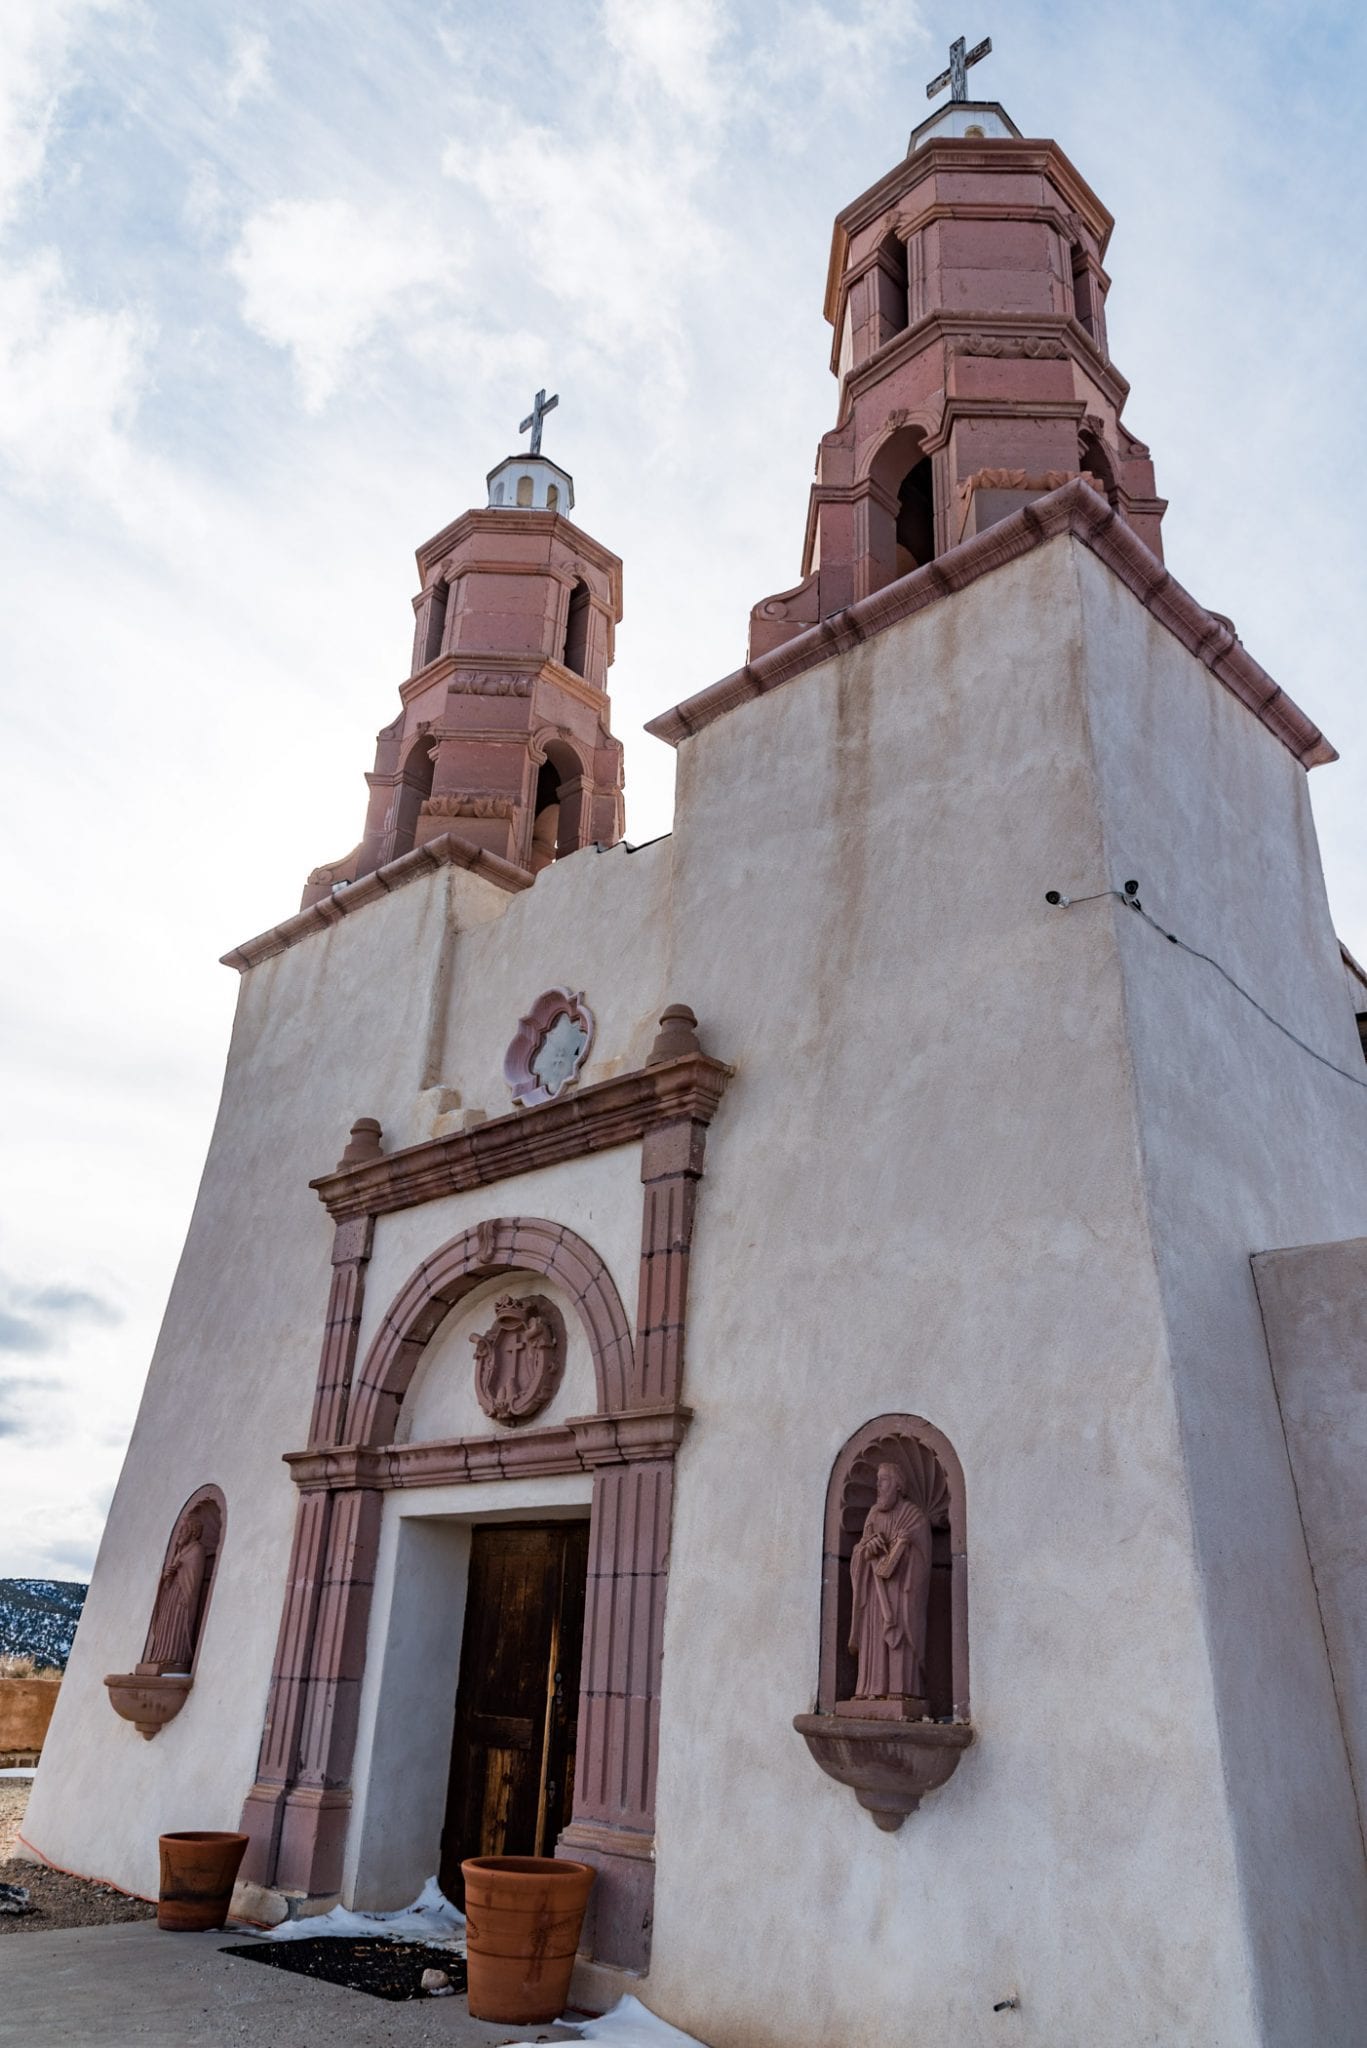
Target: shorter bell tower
{"points": [[504, 736]]}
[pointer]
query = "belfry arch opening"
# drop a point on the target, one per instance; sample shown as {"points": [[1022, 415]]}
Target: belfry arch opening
{"points": [[1094, 456], [436, 621], [915, 518], [901, 510], [889, 283], [414, 788], [575, 652], [555, 826]]}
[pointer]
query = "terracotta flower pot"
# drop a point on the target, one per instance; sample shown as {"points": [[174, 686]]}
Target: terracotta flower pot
{"points": [[523, 1916], [198, 1872]]}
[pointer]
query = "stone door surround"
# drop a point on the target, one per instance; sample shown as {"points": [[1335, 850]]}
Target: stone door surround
{"points": [[298, 1810]]}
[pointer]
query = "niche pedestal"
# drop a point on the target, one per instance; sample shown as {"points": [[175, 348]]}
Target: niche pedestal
{"points": [[890, 1766]]}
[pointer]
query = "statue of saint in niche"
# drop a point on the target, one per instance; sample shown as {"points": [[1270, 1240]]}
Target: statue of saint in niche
{"points": [[173, 1623], [890, 1580]]}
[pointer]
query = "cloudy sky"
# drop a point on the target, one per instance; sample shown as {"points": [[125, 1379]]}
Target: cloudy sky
{"points": [[276, 285]]}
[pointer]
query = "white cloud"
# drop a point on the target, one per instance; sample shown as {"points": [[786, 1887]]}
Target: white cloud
{"points": [[38, 36], [70, 379], [248, 68], [319, 277], [672, 47]]}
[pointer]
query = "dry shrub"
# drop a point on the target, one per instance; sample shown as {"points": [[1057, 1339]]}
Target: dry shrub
{"points": [[14, 1666]]}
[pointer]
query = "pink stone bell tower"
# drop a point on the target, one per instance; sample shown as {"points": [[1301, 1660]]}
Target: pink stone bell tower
{"points": [[504, 737], [968, 297]]}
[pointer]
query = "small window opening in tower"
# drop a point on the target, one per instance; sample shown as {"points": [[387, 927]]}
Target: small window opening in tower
{"points": [[552, 498], [915, 519], [436, 621], [889, 281], [1093, 456], [555, 826], [414, 788], [524, 490], [1084, 295], [580, 612]]}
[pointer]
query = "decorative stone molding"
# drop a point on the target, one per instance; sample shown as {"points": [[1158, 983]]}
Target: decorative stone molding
{"points": [[448, 849], [583, 1443], [1075, 509], [470, 803], [298, 1809], [1031, 347], [464, 684], [363, 1147], [677, 1036], [1022, 480], [520, 1358], [550, 1046]]}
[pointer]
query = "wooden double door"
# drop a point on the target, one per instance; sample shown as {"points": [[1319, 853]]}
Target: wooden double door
{"points": [[511, 1788]]}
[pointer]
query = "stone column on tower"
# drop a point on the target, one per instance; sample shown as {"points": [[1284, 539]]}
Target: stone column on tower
{"points": [[504, 736], [967, 292]]}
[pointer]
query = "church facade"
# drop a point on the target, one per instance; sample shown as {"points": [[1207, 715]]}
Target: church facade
{"points": [[816, 1364]]}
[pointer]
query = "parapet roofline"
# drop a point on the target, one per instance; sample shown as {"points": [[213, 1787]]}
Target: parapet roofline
{"points": [[1076, 509]]}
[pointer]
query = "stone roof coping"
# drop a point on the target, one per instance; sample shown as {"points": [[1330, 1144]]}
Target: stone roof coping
{"points": [[1076, 509], [449, 850]]}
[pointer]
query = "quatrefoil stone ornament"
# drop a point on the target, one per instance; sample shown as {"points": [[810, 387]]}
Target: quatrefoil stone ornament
{"points": [[551, 1045]]}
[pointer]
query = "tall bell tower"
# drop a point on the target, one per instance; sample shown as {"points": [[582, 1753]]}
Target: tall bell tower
{"points": [[967, 293], [504, 738]]}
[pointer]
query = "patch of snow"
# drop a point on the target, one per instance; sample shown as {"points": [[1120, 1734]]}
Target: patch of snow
{"points": [[431, 1918], [628, 2025]]}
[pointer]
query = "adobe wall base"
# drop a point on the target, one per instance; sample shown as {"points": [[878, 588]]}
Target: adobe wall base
{"points": [[595, 1987], [621, 1908]]}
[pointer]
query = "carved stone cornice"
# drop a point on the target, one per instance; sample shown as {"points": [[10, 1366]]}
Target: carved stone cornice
{"points": [[618, 1111], [447, 850], [582, 1444], [989, 153], [1076, 509], [520, 520], [954, 328]]}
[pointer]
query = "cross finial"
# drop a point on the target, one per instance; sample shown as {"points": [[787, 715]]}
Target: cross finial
{"points": [[541, 405], [956, 77]]}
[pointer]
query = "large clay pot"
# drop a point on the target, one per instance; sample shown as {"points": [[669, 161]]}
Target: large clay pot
{"points": [[198, 1872], [523, 1917]]}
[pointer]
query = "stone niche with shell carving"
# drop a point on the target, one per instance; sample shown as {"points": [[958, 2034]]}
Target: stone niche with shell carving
{"points": [[890, 1763], [158, 1686]]}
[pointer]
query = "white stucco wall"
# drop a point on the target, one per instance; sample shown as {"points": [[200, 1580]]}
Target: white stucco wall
{"points": [[995, 1163], [1314, 1306], [392, 1013], [944, 1214], [1249, 1143]]}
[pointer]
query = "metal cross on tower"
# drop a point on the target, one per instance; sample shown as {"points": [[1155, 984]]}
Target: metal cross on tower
{"points": [[541, 405], [956, 78]]}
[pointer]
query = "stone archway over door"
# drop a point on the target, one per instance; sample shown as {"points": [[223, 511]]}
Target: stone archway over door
{"points": [[297, 1812]]}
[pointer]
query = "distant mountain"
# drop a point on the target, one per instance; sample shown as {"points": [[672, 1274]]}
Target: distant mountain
{"points": [[38, 1618]]}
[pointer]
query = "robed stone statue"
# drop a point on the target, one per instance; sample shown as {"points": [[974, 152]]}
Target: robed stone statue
{"points": [[177, 1608], [890, 1580]]}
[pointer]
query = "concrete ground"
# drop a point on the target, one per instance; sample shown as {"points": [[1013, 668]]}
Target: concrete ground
{"points": [[135, 1987]]}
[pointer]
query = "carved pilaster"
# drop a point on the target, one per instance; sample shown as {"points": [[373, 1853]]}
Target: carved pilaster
{"points": [[671, 1166], [317, 1807], [264, 1811]]}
